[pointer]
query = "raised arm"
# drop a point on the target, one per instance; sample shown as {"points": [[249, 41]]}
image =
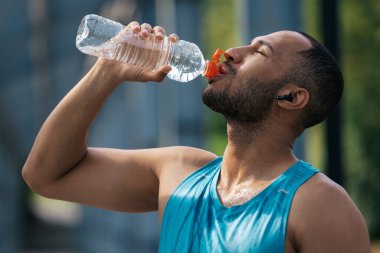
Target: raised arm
{"points": [[61, 166]]}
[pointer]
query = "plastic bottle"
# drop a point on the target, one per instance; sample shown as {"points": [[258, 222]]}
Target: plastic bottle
{"points": [[102, 37]]}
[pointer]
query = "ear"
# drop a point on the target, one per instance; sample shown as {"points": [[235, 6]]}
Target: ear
{"points": [[292, 97]]}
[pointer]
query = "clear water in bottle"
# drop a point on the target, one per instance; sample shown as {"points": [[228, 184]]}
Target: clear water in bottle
{"points": [[187, 61], [102, 37]]}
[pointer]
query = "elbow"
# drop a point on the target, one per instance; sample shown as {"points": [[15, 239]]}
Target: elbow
{"points": [[32, 180], [29, 177], [26, 174]]}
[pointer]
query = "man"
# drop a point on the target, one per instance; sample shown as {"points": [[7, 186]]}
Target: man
{"points": [[258, 198]]}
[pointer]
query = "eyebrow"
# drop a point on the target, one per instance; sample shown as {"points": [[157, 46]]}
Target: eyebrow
{"points": [[265, 43]]}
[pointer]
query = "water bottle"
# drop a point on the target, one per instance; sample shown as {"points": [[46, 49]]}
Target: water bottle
{"points": [[101, 37]]}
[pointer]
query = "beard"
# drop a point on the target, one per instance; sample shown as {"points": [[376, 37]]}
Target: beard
{"points": [[250, 104]]}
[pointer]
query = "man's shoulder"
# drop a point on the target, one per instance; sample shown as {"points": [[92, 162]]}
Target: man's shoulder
{"points": [[190, 156], [321, 197], [321, 187], [323, 212], [183, 160]]}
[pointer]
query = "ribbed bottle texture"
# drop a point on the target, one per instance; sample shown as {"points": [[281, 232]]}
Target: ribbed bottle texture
{"points": [[102, 37]]}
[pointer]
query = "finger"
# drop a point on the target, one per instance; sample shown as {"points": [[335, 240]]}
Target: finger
{"points": [[159, 74], [146, 29], [173, 38], [159, 32], [134, 26]]}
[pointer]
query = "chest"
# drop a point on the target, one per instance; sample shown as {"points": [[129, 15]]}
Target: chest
{"points": [[198, 222], [239, 194]]}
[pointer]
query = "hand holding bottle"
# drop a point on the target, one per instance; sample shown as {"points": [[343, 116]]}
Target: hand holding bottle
{"points": [[143, 46], [124, 71]]}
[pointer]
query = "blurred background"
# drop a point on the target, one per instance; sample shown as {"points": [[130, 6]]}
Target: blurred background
{"points": [[39, 64]]}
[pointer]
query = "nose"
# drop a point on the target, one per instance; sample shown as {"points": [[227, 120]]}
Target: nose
{"points": [[234, 54]]}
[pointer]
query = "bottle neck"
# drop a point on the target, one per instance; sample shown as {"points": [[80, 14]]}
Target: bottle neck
{"points": [[210, 69], [203, 67]]}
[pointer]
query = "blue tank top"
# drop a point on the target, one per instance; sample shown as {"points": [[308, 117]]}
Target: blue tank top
{"points": [[194, 219]]}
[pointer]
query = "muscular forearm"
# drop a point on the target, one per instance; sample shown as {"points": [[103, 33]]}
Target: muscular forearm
{"points": [[61, 142]]}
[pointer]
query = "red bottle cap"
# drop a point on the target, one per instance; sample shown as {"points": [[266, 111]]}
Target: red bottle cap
{"points": [[212, 66]]}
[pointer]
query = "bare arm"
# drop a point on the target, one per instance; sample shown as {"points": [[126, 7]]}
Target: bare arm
{"points": [[325, 219], [61, 166]]}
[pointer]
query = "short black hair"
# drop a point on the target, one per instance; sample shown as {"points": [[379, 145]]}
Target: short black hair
{"points": [[319, 73]]}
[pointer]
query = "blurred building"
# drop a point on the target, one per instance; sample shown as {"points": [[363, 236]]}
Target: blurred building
{"points": [[39, 64]]}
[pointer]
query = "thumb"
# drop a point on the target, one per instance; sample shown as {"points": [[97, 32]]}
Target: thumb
{"points": [[159, 74]]}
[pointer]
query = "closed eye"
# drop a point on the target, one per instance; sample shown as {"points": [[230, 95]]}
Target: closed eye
{"points": [[261, 46], [258, 49], [260, 52]]}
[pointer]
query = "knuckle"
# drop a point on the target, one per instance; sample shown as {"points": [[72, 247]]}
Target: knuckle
{"points": [[174, 36], [133, 24], [159, 29], [146, 25]]}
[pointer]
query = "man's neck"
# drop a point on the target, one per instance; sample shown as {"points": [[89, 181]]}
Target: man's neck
{"points": [[255, 153]]}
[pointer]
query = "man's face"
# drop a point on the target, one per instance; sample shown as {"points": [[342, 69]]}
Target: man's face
{"points": [[251, 76]]}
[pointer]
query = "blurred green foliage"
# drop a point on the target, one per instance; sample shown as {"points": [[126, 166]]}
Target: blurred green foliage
{"points": [[360, 61], [219, 32], [360, 50]]}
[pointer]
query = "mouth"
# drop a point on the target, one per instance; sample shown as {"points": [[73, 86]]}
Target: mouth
{"points": [[224, 69]]}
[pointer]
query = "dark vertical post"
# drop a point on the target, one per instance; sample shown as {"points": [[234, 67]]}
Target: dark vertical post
{"points": [[334, 129]]}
